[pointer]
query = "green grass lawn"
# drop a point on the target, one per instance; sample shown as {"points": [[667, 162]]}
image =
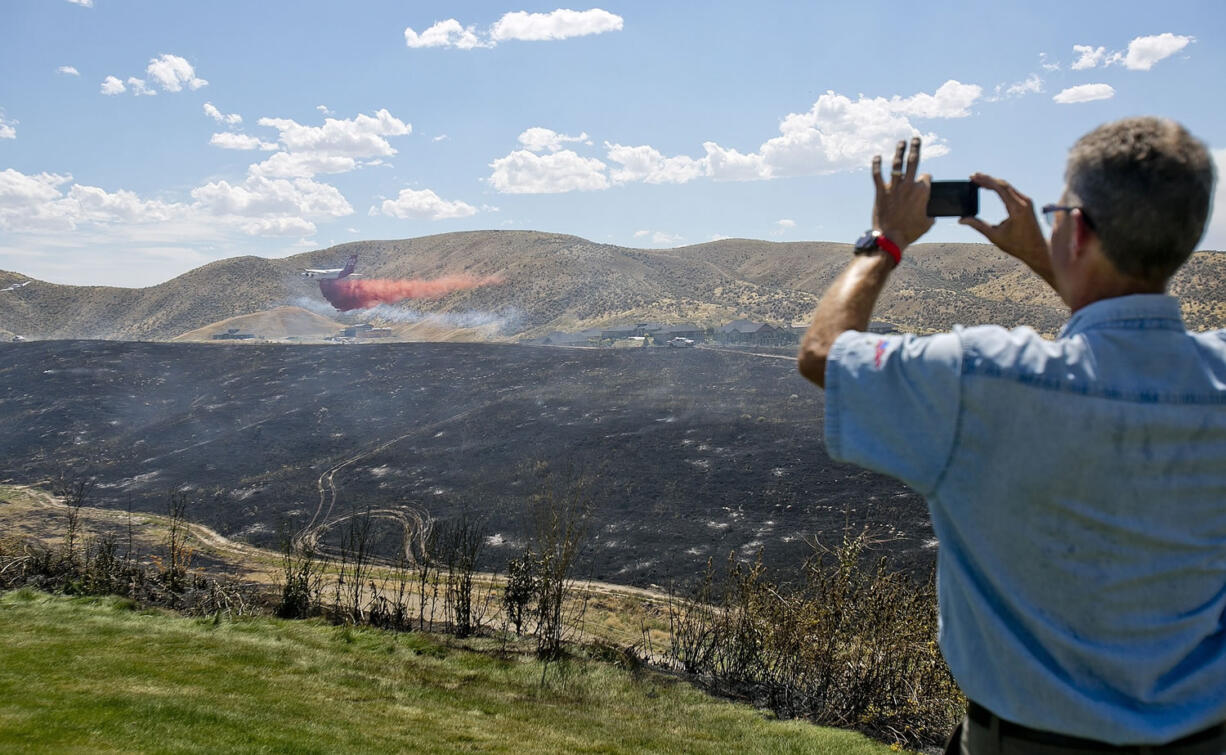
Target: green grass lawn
{"points": [[95, 675]]}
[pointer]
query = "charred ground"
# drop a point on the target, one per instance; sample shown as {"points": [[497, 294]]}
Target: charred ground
{"points": [[683, 454]]}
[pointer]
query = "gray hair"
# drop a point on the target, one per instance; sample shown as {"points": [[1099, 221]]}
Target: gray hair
{"points": [[1145, 185]]}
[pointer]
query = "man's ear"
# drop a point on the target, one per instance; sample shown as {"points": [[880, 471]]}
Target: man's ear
{"points": [[1083, 234]]}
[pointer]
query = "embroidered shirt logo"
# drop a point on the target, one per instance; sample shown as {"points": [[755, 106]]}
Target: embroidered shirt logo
{"points": [[879, 353]]}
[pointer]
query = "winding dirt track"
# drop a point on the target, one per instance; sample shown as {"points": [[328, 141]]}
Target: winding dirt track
{"points": [[417, 522], [249, 555]]}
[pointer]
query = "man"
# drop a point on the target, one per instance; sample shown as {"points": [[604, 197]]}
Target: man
{"points": [[1077, 487]]}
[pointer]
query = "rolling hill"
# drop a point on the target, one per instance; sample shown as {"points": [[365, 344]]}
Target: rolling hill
{"points": [[559, 282]]}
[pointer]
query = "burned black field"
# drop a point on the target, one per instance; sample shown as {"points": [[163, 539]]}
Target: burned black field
{"points": [[682, 454]]}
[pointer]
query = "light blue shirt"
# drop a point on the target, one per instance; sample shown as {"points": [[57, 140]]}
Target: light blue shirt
{"points": [[1078, 491]]}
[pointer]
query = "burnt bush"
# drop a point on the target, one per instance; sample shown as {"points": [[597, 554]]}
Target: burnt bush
{"points": [[852, 645]]}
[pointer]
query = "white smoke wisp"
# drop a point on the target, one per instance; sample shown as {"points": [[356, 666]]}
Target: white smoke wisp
{"points": [[314, 305], [498, 322]]}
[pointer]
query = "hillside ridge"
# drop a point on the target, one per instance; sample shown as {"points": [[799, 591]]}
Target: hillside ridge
{"points": [[564, 282]]}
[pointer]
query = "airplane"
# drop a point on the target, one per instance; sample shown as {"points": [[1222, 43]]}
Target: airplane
{"points": [[15, 286], [333, 273]]}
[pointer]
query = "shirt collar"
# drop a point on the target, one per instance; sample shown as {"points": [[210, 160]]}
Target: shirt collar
{"points": [[1133, 312]]}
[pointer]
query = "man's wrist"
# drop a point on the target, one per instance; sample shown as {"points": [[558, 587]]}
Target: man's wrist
{"points": [[896, 237]]}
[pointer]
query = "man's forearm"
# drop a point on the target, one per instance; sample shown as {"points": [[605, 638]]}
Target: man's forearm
{"points": [[846, 305]]}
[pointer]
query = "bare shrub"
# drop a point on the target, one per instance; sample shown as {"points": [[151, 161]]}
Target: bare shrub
{"points": [[853, 645], [350, 594], [177, 554], [301, 581], [74, 492], [520, 587], [460, 541], [560, 514]]}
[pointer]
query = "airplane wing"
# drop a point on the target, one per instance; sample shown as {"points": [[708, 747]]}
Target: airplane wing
{"points": [[329, 271]]}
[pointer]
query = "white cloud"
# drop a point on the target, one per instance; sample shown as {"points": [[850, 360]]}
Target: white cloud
{"points": [[647, 164], [1091, 57], [171, 72], [231, 140], [1144, 52], [951, 100], [68, 71], [725, 164], [362, 136], [1215, 233], [1032, 84], [278, 226], [1046, 64], [518, 25], [439, 138], [303, 164], [524, 172], [324, 109], [538, 139], [261, 198], [1141, 55], [84, 3], [1085, 93], [785, 223], [839, 134], [449, 33], [26, 201], [230, 119], [425, 205], [37, 203], [138, 87], [112, 85], [8, 128], [559, 24], [661, 238]]}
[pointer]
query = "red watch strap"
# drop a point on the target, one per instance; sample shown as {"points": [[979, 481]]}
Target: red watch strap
{"points": [[891, 248]]}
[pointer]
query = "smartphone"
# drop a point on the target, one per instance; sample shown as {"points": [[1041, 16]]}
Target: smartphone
{"points": [[953, 199]]}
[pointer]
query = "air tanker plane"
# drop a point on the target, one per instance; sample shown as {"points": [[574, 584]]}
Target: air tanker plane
{"points": [[334, 273]]}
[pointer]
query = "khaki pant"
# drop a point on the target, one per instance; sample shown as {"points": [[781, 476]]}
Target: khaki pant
{"points": [[971, 738]]}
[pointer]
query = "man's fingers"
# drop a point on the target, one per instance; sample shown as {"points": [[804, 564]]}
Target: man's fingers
{"points": [[1003, 189], [913, 159], [978, 225], [896, 170], [877, 174]]}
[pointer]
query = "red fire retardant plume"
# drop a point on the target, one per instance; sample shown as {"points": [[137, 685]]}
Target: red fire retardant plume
{"points": [[359, 293]]}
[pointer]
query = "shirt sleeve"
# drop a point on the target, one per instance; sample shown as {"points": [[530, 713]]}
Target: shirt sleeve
{"points": [[892, 403]]}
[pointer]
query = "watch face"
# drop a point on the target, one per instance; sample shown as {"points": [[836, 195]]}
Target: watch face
{"points": [[867, 242]]}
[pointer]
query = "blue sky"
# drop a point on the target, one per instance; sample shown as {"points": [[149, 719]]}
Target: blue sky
{"points": [[141, 139]]}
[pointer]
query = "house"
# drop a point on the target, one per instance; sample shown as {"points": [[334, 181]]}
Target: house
{"points": [[356, 331], [750, 333], [232, 334], [685, 330], [582, 338], [618, 332]]}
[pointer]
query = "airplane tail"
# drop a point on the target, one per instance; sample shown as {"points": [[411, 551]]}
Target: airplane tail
{"points": [[350, 264]]}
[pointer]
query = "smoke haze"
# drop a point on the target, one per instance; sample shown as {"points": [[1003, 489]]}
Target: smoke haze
{"points": [[347, 294]]}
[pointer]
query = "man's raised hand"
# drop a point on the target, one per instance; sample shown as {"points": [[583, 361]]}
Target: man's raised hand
{"points": [[1019, 234], [900, 211]]}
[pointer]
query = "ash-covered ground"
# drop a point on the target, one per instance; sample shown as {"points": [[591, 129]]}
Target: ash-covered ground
{"points": [[684, 454]]}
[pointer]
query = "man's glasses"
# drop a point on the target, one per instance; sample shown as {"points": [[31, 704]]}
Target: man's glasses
{"points": [[1052, 209]]}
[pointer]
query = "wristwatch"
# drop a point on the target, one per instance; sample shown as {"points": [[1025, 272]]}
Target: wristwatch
{"points": [[872, 240]]}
